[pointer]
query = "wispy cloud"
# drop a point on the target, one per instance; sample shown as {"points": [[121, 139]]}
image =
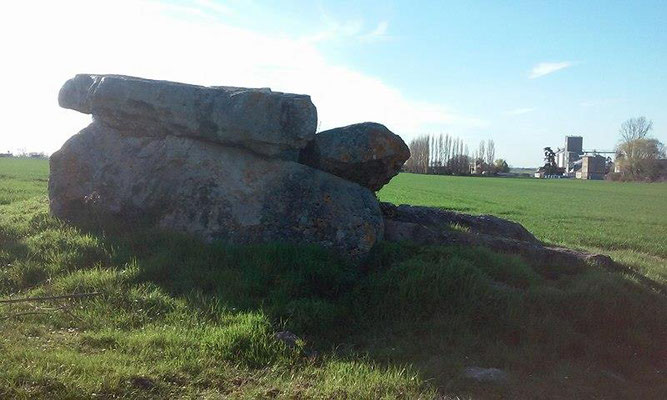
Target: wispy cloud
{"points": [[347, 30], [519, 111], [335, 30], [379, 33], [600, 102], [343, 95], [546, 68]]}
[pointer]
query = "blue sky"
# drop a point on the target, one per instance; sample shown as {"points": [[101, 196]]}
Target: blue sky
{"points": [[524, 74]]}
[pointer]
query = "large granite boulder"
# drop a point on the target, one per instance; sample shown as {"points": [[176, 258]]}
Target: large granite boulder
{"points": [[265, 122], [210, 190], [366, 153]]}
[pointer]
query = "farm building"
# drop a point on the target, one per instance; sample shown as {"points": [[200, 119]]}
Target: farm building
{"points": [[592, 167], [575, 162], [571, 153]]}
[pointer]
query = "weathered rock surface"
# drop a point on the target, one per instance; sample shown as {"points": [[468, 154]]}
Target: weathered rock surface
{"points": [[367, 153], [432, 226], [212, 191], [269, 123], [438, 219], [491, 375], [221, 163]]}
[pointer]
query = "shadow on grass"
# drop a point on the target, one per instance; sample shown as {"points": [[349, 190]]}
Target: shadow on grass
{"points": [[437, 309]]}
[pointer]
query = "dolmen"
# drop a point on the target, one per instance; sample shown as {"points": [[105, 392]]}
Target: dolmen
{"points": [[239, 165], [246, 166]]}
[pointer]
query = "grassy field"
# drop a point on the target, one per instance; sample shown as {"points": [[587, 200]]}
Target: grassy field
{"points": [[627, 221], [179, 319]]}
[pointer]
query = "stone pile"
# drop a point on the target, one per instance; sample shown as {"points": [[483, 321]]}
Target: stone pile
{"points": [[245, 166], [224, 163]]}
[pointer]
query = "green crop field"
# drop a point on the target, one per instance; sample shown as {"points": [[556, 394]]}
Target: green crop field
{"points": [[175, 318], [627, 221]]}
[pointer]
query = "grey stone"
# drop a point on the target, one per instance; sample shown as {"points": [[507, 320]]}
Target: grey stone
{"points": [[212, 191], [491, 375], [439, 219], [366, 153], [290, 339], [432, 226], [266, 122]]}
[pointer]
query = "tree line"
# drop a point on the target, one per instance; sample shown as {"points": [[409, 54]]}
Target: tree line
{"points": [[447, 155]]}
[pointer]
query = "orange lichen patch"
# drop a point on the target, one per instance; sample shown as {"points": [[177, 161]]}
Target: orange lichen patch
{"points": [[369, 237]]}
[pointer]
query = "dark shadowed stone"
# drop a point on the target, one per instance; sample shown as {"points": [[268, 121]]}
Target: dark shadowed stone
{"points": [[432, 226], [212, 191], [290, 339], [439, 219], [366, 153], [266, 122], [490, 375]]}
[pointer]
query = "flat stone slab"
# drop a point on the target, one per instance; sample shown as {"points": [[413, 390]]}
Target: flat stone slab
{"points": [[269, 123], [432, 226], [438, 219]]}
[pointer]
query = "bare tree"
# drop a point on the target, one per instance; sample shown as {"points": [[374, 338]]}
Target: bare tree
{"points": [[419, 155], [490, 152], [637, 154], [444, 154], [639, 159], [635, 128], [481, 151], [448, 146]]}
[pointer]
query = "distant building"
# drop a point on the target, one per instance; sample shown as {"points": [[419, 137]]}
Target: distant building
{"points": [[570, 154], [477, 167], [580, 163], [592, 167], [37, 155], [7, 154]]}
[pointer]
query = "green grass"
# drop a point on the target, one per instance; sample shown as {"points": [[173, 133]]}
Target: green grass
{"points": [[180, 319], [22, 178], [627, 221]]}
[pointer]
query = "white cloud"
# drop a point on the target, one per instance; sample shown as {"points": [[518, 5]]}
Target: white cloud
{"points": [[144, 38], [379, 33], [348, 30], [519, 111], [335, 30], [213, 6], [546, 68]]}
